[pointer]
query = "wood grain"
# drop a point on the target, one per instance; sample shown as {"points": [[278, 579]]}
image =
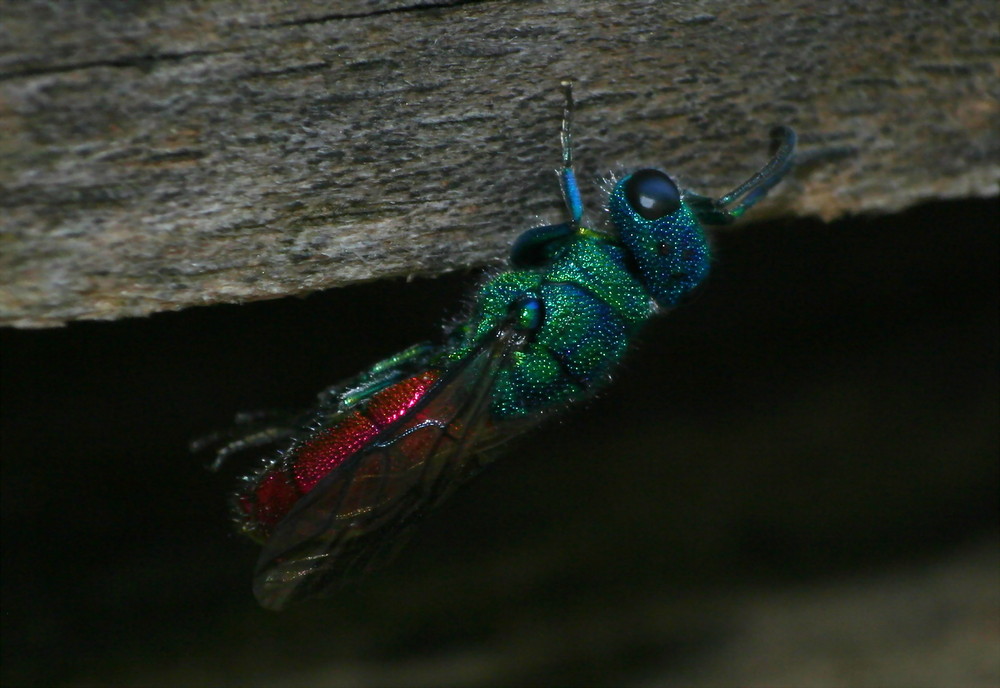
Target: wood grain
{"points": [[155, 156]]}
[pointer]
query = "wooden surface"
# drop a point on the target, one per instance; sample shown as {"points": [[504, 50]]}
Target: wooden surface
{"points": [[155, 156]]}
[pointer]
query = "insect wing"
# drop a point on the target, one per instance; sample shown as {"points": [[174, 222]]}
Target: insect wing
{"points": [[347, 522]]}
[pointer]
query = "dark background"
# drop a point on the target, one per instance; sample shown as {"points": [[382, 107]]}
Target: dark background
{"points": [[822, 414]]}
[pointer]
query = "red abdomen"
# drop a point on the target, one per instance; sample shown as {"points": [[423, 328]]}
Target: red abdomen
{"points": [[270, 496]]}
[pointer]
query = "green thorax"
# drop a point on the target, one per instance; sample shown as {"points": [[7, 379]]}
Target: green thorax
{"points": [[590, 307]]}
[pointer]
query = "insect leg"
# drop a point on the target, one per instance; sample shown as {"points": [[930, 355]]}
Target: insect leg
{"points": [[250, 431], [383, 374], [538, 245], [716, 212], [567, 178]]}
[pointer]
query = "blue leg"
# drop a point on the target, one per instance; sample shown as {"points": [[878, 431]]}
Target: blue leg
{"points": [[567, 178], [537, 246]]}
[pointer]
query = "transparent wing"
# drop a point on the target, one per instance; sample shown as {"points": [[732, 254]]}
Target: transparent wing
{"points": [[347, 522]]}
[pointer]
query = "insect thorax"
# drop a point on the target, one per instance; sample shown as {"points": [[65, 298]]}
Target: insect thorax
{"points": [[592, 305]]}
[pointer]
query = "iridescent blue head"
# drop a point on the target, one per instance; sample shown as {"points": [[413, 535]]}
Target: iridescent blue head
{"points": [[661, 233], [660, 227]]}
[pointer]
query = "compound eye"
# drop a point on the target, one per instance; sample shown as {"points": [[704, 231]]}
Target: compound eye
{"points": [[652, 194]]}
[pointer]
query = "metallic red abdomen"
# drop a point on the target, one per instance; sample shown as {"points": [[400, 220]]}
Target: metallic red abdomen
{"points": [[271, 496]]}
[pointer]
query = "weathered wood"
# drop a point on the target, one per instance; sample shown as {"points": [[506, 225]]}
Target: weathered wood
{"points": [[161, 155]]}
